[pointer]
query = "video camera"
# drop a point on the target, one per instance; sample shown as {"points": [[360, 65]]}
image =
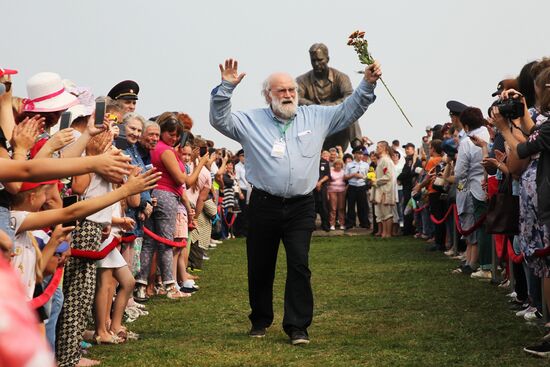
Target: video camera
{"points": [[511, 108]]}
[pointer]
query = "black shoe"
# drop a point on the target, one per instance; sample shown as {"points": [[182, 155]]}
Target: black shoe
{"points": [[299, 337], [188, 289], [467, 270], [257, 332], [541, 350]]}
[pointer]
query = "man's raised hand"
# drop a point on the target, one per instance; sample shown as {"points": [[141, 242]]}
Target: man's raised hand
{"points": [[230, 72]]}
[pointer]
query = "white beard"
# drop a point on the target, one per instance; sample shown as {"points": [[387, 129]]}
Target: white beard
{"points": [[285, 111]]}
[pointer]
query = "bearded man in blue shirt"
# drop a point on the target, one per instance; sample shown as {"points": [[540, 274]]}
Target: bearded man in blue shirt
{"points": [[283, 146]]}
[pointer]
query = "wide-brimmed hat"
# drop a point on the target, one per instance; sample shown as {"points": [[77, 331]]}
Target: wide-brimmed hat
{"points": [[46, 93]]}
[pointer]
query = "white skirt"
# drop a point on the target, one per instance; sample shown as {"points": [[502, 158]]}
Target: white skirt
{"points": [[114, 259]]}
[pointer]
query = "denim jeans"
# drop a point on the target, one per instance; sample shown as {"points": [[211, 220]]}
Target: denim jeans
{"points": [[5, 224], [55, 304]]}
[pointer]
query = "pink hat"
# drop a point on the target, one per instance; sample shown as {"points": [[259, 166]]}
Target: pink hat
{"points": [[7, 72], [47, 94]]}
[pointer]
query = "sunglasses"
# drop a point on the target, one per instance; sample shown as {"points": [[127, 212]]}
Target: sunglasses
{"points": [[7, 84]]}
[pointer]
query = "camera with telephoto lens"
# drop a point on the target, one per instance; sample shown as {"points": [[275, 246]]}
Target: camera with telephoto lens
{"points": [[511, 108]]}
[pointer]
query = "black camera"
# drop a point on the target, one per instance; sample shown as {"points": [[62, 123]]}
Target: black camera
{"points": [[511, 108]]}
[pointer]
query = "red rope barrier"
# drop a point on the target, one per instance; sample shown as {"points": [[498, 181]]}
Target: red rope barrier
{"points": [[230, 224], [163, 240], [440, 221], [542, 252], [420, 209], [470, 230], [95, 255], [49, 291], [128, 239], [517, 259]]}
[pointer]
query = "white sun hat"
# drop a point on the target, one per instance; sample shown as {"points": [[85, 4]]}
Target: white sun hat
{"points": [[47, 94]]}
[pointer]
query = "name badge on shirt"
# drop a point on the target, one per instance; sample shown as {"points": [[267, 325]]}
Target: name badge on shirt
{"points": [[278, 150]]}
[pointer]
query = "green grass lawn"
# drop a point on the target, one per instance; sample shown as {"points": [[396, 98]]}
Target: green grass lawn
{"points": [[377, 303]]}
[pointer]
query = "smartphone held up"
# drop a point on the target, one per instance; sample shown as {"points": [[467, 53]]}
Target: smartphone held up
{"points": [[100, 106]]}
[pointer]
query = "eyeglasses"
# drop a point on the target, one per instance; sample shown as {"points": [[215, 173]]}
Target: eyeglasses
{"points": [[284, 90]]}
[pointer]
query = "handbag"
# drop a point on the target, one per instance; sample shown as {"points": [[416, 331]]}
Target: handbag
{"points": [[503, 211]]}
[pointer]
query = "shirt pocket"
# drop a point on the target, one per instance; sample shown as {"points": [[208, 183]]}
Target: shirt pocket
{"points": [[307, 145]]}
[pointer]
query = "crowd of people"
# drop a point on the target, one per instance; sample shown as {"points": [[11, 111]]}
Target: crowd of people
{"points": [[101, 213], [98, 214], [475, 188]]}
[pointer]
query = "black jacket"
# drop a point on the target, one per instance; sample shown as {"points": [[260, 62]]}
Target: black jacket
{"points": [[408, 175]]}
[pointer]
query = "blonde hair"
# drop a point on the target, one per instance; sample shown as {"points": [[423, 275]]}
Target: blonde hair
{"points": [[338, 161]]}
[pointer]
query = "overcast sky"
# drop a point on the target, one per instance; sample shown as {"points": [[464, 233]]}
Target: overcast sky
{"points": [[431, 51]]}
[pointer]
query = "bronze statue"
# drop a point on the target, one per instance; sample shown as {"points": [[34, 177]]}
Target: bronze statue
{"points": [[327, 86]]}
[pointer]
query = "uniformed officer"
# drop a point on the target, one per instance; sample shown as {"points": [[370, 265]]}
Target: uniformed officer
{"points": [[126, 92]]}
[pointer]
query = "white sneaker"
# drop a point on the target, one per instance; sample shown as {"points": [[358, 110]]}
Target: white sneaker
{"points": [[504, 284], [332, 228], [522, 313], [512, 295], [532, 316], [481, 274], [342, 228], [205, 257], [215, 242], [212, 245], [449, 252]]}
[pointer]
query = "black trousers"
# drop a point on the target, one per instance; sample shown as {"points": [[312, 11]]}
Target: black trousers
{"points": [[408, 228], [272, 219], [357, 195], [321, 206], [438, 208], [240, 228]]}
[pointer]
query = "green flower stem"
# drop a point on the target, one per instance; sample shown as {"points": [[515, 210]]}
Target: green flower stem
{"points": [[398, 106]]}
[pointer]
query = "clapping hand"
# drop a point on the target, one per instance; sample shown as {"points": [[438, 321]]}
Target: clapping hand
{"points": [[25, 134], [230, 72]]}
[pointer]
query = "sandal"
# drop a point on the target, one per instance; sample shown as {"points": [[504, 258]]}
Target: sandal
{"points": [[113, 339], [160, 290], [174, 293], [126, 334]]}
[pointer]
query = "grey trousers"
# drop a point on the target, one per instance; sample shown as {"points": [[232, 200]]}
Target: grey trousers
{"points": [[163, 223]]}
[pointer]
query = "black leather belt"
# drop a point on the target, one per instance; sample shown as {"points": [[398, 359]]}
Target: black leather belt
{"points": [[280, 199]]}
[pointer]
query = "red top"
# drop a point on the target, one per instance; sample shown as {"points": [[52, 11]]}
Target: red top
{"points": [[166, 183]]}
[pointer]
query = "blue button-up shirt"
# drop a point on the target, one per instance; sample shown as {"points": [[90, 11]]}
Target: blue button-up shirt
{"points": [[357, 167], [296, 171]]}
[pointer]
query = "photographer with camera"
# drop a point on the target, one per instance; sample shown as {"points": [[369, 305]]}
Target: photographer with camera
{"points": [[536, 147]]}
